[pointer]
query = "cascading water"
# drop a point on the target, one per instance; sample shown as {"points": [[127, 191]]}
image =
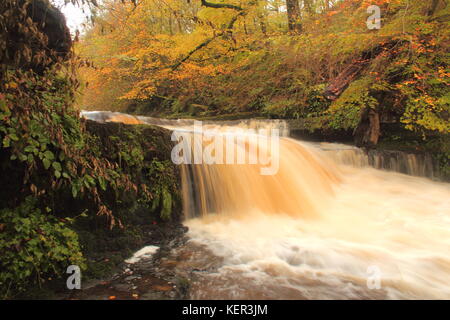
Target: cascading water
{"points": [[238, 188], [420, 165], [317, 229]]}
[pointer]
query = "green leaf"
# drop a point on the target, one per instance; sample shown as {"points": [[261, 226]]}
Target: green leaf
{"points": [[74, 190], [102, 183], [4, 106], [57, 166], [49, 155], [46, 163], [29, 149], [6, 142], [89, 179]]}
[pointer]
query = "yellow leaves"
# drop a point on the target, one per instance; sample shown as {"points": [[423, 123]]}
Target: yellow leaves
{"points": [[11, 85], [407, 82], [106, 70], [429, 101], [192, 71], [141, 91], [442, 73], [215, 16]]}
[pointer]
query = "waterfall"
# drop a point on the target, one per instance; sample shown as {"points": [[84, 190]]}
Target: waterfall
{"points": [[236, 189], [322, 225], [415, 164]]}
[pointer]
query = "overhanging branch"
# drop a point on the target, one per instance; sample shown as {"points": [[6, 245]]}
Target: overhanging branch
{"points": [[221, 5], [208, 41]]}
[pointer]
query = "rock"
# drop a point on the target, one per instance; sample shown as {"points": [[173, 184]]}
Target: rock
{"points": [[122, 287], [24, 49], [367, 132], [131, 278]]}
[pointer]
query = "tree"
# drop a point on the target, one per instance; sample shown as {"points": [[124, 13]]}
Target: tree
{"points": [[293, 13]]}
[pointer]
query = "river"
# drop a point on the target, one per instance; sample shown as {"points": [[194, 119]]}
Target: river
{"points": [[318, 228]]}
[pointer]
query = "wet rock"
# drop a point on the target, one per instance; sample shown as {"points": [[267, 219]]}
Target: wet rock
{"points": [[122, 287], [131, 278]]}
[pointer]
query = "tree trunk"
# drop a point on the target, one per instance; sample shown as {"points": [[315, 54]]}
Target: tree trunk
{"points": [[262, 23], [293, 13], [435, 5]]}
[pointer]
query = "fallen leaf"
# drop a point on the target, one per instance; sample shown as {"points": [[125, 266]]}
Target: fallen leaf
{"points": [[162, 288]]}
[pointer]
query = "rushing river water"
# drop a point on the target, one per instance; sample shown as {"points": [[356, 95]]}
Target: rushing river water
{"points": [[320, 228]]}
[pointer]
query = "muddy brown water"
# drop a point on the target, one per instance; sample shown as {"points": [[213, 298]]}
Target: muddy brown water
{"points": [[321, 227]]}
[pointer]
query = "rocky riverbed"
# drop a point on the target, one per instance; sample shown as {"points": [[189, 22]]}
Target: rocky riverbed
{"points": [[167, 274]]}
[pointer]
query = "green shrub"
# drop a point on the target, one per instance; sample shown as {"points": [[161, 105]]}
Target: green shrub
{"points": [[345, 111], [34, 246]]}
